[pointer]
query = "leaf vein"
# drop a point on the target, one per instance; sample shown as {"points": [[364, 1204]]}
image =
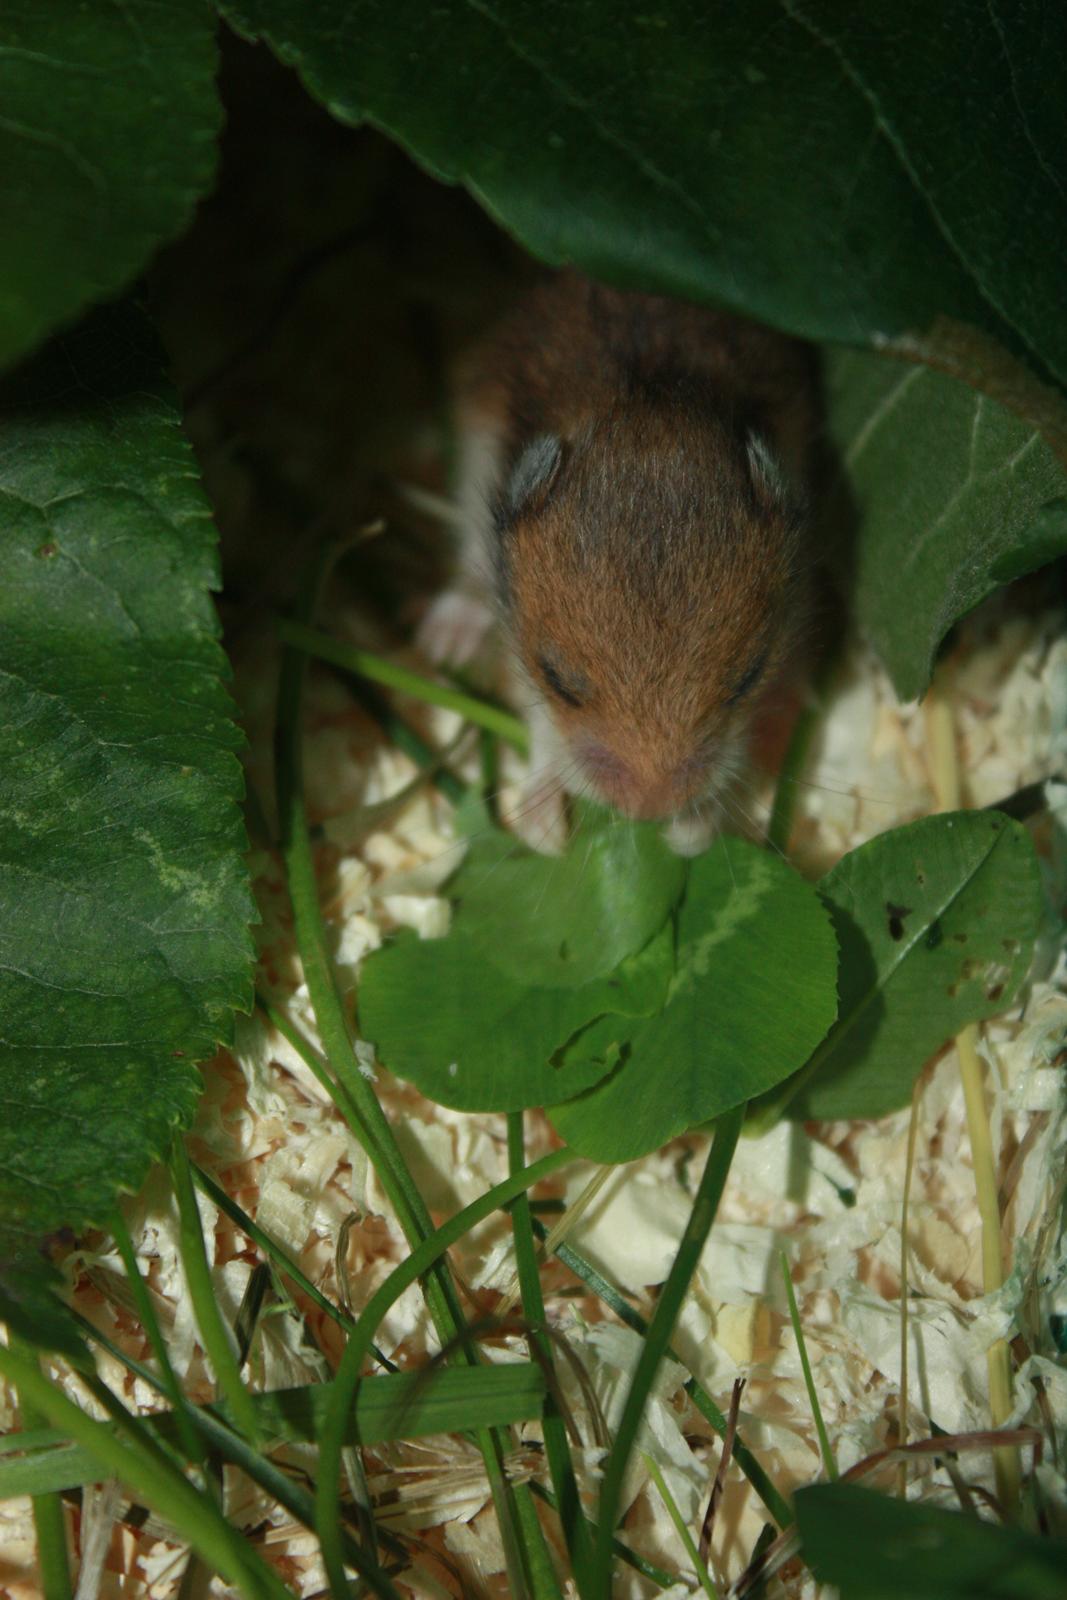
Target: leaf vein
{"points": [[1045, 165], [660, 179], [899, 149], [50, 141], [881, 411]]}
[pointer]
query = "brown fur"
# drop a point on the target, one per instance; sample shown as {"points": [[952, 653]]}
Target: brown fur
{"points": [[657, 566]]}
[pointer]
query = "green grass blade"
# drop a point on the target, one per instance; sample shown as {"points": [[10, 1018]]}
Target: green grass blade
{"points": [[372, 1128], [544, 1585], [783, 810], [130, 1457], [356, 1097], [217, 1339], [557, 1447], [702, 1573], [49, 1522], [406, 738], [297, 1500], [483, 713], [222, 1443], [188, 1437], [746, 1461], [35, 1438], [657, 1339], [647, 1569], [809, 1382], [348, 1383], [406, 1405], [53, 1562], [1007, 1467], [270, 1248]]}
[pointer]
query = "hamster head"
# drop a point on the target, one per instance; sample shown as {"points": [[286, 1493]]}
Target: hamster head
{"points": [[650, 573]]}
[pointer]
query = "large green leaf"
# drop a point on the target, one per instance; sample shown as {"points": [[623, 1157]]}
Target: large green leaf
{"points": [[124, 904], [967, 103], [546, 921], [759, 155], [107, 139], [753, 992], [954, 495], [936, 923], [873, 1547], [472, 1037]]}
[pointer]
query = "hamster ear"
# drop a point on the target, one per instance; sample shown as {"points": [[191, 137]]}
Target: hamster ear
{"points": [[533, 474], [768, 478]]}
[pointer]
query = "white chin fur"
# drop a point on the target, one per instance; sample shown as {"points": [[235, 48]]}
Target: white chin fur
{"points": [[692, 831], [688, 835]]}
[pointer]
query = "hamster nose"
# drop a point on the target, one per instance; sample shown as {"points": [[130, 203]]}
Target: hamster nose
{"points": [[636, 793], [649, 802]]}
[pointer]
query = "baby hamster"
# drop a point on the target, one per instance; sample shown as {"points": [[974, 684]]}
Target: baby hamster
{"points": [[631, 481]]}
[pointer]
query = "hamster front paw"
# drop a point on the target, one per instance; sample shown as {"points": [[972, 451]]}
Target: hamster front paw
{"points": [[454, 628]]}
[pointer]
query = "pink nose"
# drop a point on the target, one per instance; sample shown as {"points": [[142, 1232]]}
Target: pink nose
{"points": [[637, 793]]}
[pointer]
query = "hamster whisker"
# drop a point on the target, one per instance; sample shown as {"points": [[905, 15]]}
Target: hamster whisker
{"points": [[462, 844], [532, 775], [590, 833], [756, 827], [543, 795], [722, 840], [827, 788]]}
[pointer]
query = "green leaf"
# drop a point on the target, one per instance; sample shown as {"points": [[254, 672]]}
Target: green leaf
{"points": [[473, 1038], [936, 923], [872, 1547], [753, 992], [107, 141], [954, 495], [31, 1304], [985, 154], [124, 902], [728, 153], [561, 923], [402, 1405]]}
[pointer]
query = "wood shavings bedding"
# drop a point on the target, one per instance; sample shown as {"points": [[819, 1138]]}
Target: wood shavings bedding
{"points": [[830, 1196]]}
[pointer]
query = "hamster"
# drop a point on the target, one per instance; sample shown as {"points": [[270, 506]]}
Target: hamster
{"points": [[631, 488]]}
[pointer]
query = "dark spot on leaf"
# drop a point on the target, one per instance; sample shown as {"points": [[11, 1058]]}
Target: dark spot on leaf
{"points": [[934, 935], [564, 951], [968, 970], [994, 994], [953, 990], [177, 1052], [960, 938], [921, 876], [47, 550], [1011, 946], [896, 915]]}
